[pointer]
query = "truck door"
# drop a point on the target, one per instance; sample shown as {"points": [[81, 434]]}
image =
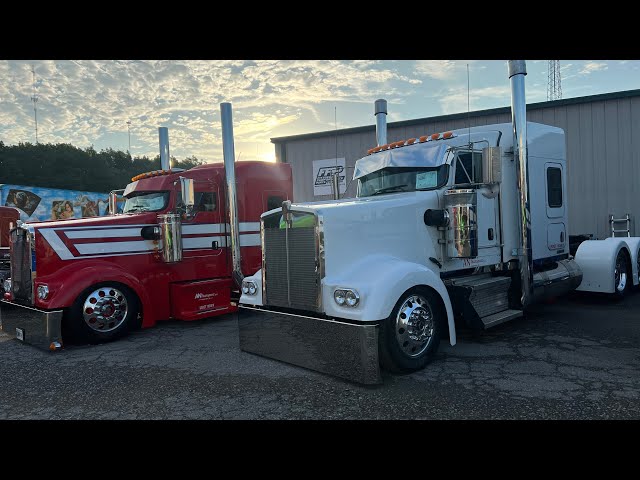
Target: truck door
{"points": [[204, 235], [554, 192]]}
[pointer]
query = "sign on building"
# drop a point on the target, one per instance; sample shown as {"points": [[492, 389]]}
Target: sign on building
{"points": [[323, 171]]}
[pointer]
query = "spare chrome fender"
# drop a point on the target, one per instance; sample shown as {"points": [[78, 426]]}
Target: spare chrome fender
{"points": [[597, 260], [380, 280]]}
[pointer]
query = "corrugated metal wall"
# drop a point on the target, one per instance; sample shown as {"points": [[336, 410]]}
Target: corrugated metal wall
{"points": [[603, 156]]}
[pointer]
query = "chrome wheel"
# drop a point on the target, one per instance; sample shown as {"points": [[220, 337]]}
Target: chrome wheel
{"points": [[105, 309], [621, 273], [414, 325]]}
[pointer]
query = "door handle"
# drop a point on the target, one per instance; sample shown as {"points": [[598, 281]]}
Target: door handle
{"points": [[562, 237]]}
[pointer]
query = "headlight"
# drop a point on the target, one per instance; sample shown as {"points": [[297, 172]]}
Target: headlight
{"points": [[43, 292], [7, 285], [249, 288], [346, 297], [352, 298]]}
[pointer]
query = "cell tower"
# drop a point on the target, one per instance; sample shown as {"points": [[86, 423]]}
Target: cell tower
{"points": [[34, 99], [554, 88]]}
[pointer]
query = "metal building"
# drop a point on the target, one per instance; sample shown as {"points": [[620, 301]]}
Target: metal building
{"points": [[603, 153]]}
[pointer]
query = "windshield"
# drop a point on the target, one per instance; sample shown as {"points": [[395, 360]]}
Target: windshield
{"points": [[402, 179], [146, 202]]}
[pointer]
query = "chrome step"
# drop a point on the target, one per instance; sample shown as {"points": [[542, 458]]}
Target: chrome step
{"points": [[489, 294], [500, 317]]}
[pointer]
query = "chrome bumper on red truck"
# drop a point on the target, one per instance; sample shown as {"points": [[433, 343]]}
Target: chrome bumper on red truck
{"points": [[40, 328], [337, 348]]}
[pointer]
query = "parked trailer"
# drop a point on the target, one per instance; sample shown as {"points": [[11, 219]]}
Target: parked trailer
{"points": [[468, 226], [165, 257]]}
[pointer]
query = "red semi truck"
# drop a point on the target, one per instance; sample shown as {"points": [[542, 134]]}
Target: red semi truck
{"points": [[165, 257]]}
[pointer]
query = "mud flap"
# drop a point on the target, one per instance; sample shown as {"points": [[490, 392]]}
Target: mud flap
{"points": [[336, 348]]}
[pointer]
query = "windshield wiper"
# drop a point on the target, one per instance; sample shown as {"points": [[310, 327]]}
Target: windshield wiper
{"points": [[390, 189]]}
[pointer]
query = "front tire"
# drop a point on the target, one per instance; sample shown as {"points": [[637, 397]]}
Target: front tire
{"points": [[410, 337], [102, 313]]}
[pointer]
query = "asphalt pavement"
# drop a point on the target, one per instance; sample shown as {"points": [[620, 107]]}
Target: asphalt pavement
{"points": [[575, 358]]}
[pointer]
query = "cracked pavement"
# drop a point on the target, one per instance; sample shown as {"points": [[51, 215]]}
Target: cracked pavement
{"points": [[575, 358]]}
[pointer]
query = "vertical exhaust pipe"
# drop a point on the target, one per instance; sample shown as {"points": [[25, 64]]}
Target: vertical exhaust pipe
{"points": [[517, 72], [228, 151], [381, 121], [165, 159]]}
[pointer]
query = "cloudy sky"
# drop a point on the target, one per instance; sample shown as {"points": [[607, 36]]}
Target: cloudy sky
{"points": [[88, 102]]}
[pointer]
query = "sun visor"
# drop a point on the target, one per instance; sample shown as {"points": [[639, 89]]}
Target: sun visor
{"points": [[429, 154]]}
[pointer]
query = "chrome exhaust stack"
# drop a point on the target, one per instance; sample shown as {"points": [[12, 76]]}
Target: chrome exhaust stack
{"points": [[228, 151], [381, 121], [517, 72], [165, 159]]}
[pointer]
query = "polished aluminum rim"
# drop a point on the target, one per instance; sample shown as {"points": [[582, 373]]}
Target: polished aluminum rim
{"points": [[414, 325], [105, 309], [621, 273]]}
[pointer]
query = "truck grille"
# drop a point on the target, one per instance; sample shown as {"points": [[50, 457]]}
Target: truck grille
{"points": [[291, 267], [21, 281]]}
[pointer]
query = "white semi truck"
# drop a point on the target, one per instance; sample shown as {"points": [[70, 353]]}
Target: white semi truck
{"points": [[463, 227]]}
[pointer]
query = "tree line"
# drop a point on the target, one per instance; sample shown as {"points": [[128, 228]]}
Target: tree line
{"points": [[63, 165]]}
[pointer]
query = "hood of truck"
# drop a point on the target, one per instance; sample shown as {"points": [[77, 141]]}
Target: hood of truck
{"points": [[109, 220], [388, 224]]}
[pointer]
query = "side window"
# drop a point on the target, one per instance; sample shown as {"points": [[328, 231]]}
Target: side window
{"points": [[554, 187], [274, 201], [468, 168], [205, 201]]}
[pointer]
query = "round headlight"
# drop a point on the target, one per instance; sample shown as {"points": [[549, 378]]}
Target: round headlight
{"points": [[339, 297], [245, 288], [252, 288], [352, 298]]}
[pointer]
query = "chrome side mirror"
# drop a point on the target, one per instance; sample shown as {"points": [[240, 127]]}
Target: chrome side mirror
{"points": [[187, 194]]}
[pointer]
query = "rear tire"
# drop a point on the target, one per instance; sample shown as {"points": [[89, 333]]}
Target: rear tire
{"points": [[622, 275], [102, 313], [410, 337]]}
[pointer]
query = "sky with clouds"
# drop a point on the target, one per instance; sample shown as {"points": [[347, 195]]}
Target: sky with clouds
{"points": [[89, 102]]}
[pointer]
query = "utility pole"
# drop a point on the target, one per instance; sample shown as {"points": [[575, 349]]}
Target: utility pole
{"points": [[34, 99], [129, 128]]}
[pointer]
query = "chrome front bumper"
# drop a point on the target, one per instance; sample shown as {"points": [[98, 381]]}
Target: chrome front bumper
{"points": [[39, 328], [336, 348]]}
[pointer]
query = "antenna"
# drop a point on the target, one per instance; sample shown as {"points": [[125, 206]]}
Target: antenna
{"points": [[34, 99], [554, 87], [335, 181], [468, 107]]}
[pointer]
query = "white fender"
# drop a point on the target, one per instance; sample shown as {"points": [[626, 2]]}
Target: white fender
{"points": [[597, 260], [380, 280], [634, 245]]}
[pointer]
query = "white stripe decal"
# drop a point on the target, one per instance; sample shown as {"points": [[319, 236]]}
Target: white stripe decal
{"points": [[202, 242], [250, 240], [249, 226], [104, 233], [115, 247], [58, 245], [202, 228], [140, 247]]}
